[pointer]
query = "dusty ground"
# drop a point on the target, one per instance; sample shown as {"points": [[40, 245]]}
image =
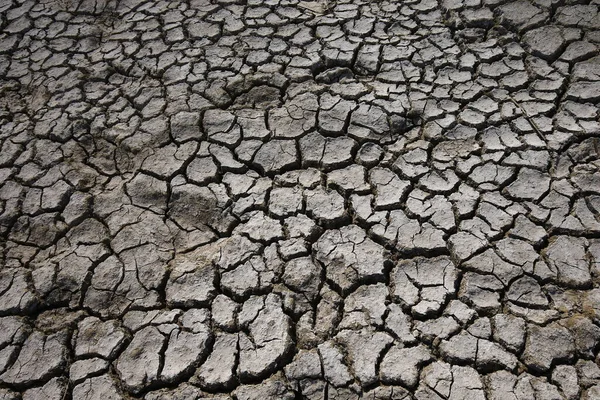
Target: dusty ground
{"points": [[299, 200]]}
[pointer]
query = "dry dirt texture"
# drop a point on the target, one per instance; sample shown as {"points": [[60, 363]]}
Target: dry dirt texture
{"points": [[283, 199]]}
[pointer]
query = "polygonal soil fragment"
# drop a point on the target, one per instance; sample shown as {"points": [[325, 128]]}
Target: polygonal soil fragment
{"points": [[349, 257]]}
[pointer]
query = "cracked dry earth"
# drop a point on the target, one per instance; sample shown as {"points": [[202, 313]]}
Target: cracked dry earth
{"points": [[212, 199]]}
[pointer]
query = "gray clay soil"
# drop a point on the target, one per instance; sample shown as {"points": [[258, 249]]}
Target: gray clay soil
{"points": [[282, 199]]}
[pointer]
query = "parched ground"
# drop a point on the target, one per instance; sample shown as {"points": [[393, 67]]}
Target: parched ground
{"points": [[282, 199]]}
